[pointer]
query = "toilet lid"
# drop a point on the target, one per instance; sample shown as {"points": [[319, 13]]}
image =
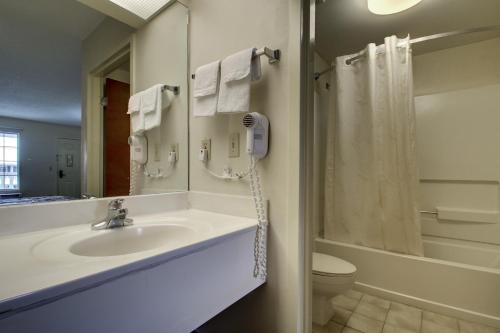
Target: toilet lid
{"points": [[328, 265]]}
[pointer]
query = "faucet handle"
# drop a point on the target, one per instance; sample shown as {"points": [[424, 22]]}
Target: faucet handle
{"points": [[116, 204]]}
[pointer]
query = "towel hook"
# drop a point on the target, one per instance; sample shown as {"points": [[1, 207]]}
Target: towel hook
{"points": [[273, 55]]}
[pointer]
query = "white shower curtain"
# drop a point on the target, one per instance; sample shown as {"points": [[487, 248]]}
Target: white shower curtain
{"points": [[371, 171]]}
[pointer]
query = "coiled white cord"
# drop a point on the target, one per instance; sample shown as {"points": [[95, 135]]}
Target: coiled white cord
{"points": [[172, 159], [159, 174], [260, 244], [134, 166], [237, 176]]}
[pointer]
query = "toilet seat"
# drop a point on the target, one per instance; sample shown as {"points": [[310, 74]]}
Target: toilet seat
{"points": [[327, 265]]}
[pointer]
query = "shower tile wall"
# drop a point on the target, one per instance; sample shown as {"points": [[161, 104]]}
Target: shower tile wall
{"points": [[362, 313]]}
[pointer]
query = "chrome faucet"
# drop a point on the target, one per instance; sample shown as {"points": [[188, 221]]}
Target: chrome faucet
{"points": [[117, 217]]}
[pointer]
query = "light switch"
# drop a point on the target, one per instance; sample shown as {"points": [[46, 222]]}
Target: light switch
{"points": [[207, 144], [175, 148]]}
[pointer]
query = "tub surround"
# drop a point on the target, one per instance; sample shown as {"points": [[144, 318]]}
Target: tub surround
{"points": [[41, 273], [465, 252]]}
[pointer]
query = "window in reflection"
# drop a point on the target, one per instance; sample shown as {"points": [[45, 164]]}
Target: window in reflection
{"points": [[9, 164]]}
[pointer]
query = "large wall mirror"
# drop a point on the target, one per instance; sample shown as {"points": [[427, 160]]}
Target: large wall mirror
{"points": [[65, 86]]}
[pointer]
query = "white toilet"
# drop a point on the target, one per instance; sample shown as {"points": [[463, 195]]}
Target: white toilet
{"points": [[331, 276]]}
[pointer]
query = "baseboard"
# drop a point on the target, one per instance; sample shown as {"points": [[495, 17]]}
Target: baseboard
{"points": [[429, 305]]}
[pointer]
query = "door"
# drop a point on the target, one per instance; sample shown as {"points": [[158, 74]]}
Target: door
{"points": [[68, 167], [116, 133]]}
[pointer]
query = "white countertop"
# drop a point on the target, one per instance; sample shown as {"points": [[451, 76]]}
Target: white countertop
{"points": [[31, 274]]}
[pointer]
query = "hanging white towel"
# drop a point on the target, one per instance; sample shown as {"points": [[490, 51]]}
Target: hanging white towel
{"points": [[134, 110], [153, 102], [237, 72], [205, 89]]}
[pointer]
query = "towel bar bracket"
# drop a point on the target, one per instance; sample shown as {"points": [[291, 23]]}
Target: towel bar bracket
{"points": [[273, 55], [174, 89]]}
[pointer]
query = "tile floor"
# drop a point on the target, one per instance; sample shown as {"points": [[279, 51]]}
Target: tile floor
{"points": [[361, 313]]}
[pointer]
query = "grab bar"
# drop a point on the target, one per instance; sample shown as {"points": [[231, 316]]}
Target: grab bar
{"points": [[429, 212], [465, 215], [272, 55]]}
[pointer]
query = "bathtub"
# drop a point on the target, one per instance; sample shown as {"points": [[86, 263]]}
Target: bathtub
{"points": [[471, 253], [458, 279]]}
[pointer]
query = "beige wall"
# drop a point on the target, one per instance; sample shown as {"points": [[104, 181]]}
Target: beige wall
{"points": [[160, 55], [218, 29], [120, 75], [463, 67], [457, 132], [107, 39]]}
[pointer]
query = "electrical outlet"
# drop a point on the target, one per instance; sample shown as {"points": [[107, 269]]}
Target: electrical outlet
{"points": [[234, 145], [157, 152], [174, 147], [207, 144]]}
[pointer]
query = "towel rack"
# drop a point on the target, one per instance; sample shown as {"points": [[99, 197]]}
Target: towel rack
{"points": [[273, 55], [465, 215], [429, 212], [174, 89]]}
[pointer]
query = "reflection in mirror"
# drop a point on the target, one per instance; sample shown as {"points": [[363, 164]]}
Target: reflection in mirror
{"points": [[64, 100]]}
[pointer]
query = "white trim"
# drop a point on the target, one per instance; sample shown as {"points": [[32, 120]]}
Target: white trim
{"points": [[308, 206]]}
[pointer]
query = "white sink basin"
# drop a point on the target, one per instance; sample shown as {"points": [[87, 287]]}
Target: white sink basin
{"points": [[131, 239], [86, 244]]}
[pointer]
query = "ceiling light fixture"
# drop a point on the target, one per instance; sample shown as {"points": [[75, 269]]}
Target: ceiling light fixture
{"points": [[142, 8], [386, 7]]}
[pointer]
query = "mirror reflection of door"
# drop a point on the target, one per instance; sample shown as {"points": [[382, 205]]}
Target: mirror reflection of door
{"points": [[116, 132], [68, 167]]}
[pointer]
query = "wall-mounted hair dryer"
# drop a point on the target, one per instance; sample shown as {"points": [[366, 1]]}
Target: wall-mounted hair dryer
{"points": [[138, 148], [257, 134], [257, 145]]}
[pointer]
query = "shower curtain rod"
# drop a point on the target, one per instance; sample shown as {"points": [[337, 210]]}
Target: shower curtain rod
{"points": [[417, 41]]}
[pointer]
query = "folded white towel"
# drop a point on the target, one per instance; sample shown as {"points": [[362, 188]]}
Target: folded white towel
{"points": [[153, 102], [205, 89], [136, 117], [237, 72]]}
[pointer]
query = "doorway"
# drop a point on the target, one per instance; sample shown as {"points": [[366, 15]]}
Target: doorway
{"points": [[68, 167], [107, 127], [116, 130]]}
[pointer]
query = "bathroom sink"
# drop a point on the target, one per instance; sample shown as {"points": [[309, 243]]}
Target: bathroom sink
{"points": [[87, 243], [120, 241]]}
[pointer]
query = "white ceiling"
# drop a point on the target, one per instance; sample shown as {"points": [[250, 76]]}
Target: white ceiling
{"points": [[40, 58], [346, 26]]}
